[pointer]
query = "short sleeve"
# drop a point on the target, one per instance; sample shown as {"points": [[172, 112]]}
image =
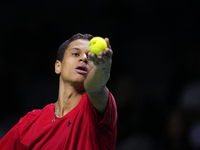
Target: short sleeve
{"points": [[11, 140], [110, 115]]}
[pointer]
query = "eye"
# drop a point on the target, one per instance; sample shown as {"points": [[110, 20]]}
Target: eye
{"points": [[75, 54]]}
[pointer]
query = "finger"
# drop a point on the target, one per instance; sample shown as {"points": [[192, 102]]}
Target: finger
{"points": [[96, 59], [91, 56], [108, 42], [108, 52], [105, 56]]}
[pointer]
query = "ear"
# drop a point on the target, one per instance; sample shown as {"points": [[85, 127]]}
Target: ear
{"points": [[57, 67]]}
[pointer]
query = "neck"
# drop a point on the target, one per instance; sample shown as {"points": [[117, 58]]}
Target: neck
{"points": [[68, 98]]}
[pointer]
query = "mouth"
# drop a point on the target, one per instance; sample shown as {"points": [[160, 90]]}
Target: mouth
{"points": [[82, 69]]}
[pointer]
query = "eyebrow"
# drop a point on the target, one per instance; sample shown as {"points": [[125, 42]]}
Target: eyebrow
{"points": [[75, 48]]}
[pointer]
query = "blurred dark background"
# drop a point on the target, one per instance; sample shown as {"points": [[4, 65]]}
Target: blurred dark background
{"points": [[155, 76]]}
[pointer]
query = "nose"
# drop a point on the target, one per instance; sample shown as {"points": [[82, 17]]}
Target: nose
{"points": [[84, 58]]}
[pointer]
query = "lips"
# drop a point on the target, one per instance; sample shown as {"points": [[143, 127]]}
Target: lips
{"points": [[82, 69]]}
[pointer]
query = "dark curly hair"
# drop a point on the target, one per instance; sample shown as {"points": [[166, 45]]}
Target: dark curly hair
{"points": [[64, 46]]}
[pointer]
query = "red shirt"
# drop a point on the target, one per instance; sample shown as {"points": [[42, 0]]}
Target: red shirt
{"points": [[81, 129]]}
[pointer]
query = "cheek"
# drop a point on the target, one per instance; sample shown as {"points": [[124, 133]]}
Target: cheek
{"points": [[67, 63], [66, 68]]}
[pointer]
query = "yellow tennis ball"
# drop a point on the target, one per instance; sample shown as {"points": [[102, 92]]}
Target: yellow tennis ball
{"points": [[97, 44]]}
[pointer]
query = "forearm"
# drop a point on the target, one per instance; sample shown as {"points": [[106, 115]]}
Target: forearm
{"points": [[95, 86], [97, 79]]}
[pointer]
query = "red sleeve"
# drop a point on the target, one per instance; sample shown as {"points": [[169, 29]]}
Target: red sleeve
{"points": [[11, 141], [110, 116]]}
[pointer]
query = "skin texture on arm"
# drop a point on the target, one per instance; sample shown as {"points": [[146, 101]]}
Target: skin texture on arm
{"points": [[95, 83]]}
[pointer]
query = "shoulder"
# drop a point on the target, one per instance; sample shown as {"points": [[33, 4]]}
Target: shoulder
{"points": [[111, 101], [110, 116], [32, 114]]}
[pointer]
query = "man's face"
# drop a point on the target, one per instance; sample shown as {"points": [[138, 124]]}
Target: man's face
{"points": [[75, 65]]}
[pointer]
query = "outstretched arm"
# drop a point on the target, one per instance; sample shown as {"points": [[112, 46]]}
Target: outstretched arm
{"points": [[95, 83]]}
